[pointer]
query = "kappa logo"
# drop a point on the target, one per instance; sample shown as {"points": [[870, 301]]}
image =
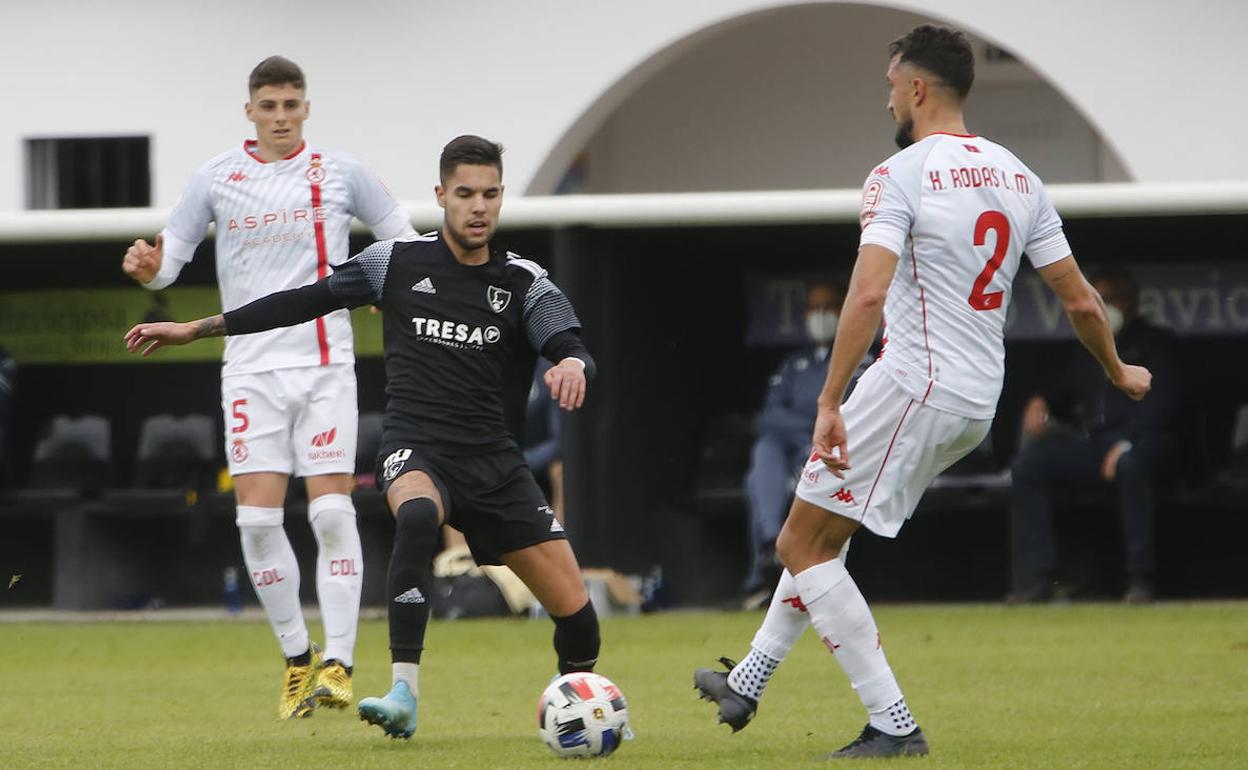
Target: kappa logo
{"points": [[845, 496], [237, 176], [971, 148], [394, 463], [326, 438], [795, 602], [410, 596], [499, 298], [424, 286], [555, 526]]}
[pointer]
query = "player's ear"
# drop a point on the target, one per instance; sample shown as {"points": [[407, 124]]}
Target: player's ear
{"points": [[307, 109], [440, 194], [247, 110]]}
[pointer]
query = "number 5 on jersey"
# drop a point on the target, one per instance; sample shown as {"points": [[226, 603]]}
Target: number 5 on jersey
{"points": [[237, 409], [990, 220]]}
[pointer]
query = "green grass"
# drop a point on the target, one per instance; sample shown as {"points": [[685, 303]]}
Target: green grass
{"points": [[1092, 686]]}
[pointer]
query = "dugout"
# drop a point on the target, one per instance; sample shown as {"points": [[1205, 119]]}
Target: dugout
{"points": [[664, 286]]}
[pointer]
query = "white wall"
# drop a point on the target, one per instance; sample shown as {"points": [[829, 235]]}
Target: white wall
{"points": [[392, 80], [795, 99]]}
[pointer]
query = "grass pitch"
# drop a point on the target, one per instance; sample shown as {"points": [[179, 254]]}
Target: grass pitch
{"points": [[1093, 686]]}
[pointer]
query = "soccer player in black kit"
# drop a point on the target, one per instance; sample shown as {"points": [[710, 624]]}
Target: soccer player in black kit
{"points": [[463, 325]]}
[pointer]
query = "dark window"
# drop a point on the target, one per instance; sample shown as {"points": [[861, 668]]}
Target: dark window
{"points": [[88, 172]]}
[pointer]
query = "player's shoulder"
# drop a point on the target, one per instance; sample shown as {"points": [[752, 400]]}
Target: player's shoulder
{"points": [[911, 157], [417, 242], [522, 269], [331, 156], [224, 161]]}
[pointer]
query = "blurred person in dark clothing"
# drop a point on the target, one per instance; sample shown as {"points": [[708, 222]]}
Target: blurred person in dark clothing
{"points": [[783, 443], [1084, 432], [8, 384]]}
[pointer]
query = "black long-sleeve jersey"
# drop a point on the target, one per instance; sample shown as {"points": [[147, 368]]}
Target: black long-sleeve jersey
{"points": [[460, 340]]}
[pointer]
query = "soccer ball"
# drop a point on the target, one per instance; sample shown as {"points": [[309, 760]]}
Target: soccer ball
{"points": [[582, 715]]}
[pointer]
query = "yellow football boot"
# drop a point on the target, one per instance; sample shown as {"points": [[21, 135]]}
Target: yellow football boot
{"points": [[297, 685], [332, 688]]}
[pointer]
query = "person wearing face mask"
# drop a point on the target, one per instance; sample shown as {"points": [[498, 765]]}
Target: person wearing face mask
{"points": [[1081, 432], [783, 443]]}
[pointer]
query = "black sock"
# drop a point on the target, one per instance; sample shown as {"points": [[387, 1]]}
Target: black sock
{"points": [[301, 660], [410, 578], [577, 640]]}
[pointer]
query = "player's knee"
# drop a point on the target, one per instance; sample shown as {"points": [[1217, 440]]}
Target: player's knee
{"points": [[331, 515], [416, 526], [577, 639], [258, 516]]}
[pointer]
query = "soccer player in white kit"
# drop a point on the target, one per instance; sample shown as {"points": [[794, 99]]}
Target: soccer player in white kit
{"points": [[283, 211], [945, 223]]}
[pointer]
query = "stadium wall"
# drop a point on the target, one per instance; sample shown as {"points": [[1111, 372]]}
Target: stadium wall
{"points": [[392, 80]]}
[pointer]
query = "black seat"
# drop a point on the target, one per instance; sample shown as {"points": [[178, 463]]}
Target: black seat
{"points": [[367, 444], [724, 459], [176, 452], [74, 453]]}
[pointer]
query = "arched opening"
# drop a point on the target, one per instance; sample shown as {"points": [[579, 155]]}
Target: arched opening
{"points": [[793, 98]]}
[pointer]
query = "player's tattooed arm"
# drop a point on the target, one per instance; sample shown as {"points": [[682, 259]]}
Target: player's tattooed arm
{"points": [[213, 326], [147, 338]]}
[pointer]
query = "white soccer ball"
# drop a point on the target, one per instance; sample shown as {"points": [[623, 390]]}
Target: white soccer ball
{"points": [[582, 715]]}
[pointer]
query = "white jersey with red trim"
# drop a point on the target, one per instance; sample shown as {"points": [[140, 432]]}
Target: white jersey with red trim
{"points": [[279, 225], [959, 211]]}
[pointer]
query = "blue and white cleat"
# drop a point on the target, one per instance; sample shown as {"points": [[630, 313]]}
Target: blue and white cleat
{"points": [[395, 713]]}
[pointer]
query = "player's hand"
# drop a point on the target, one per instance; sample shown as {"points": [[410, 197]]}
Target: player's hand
{"points": [[829, 441], [1109, 465], [1135, 381], [566, 381], [143, 260], [1035, 416], [147, 338]]}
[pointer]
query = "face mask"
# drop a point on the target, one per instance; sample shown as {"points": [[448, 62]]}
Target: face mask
{"points": [[1116, 318], [821, 326]]}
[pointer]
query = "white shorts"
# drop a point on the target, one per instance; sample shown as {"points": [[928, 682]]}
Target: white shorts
{"points": [[896, 447], [301, 422]]}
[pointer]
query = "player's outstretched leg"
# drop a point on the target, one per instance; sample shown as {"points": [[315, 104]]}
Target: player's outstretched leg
{"points": [[275, 574], [738, 690], [409, 581], [394, 713], [339, 577], [844, 623], [295, 701]]}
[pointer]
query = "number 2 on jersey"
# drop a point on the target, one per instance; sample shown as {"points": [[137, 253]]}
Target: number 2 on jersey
{"points": [[990, 220]]}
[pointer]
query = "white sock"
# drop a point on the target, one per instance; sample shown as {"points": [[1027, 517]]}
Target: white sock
{"points": [[843, 621], [784, 623], [894, 720], [407, 672], [339, 572], [275, 574]]}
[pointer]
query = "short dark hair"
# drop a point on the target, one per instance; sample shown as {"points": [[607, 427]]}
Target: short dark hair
{"points": [[1120, 278], [275, 71], [469, 150], [944, 52]]}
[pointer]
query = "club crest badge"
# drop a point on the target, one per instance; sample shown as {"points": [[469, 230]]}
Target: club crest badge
{"points": [[499, 298]]}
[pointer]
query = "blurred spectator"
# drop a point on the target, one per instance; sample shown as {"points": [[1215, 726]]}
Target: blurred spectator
{"points": [[541, 441], [784, 430], [8, 383], [1084, 432]]}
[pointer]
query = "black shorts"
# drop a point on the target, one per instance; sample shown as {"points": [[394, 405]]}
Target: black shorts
{"points": [[491, 497]]}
